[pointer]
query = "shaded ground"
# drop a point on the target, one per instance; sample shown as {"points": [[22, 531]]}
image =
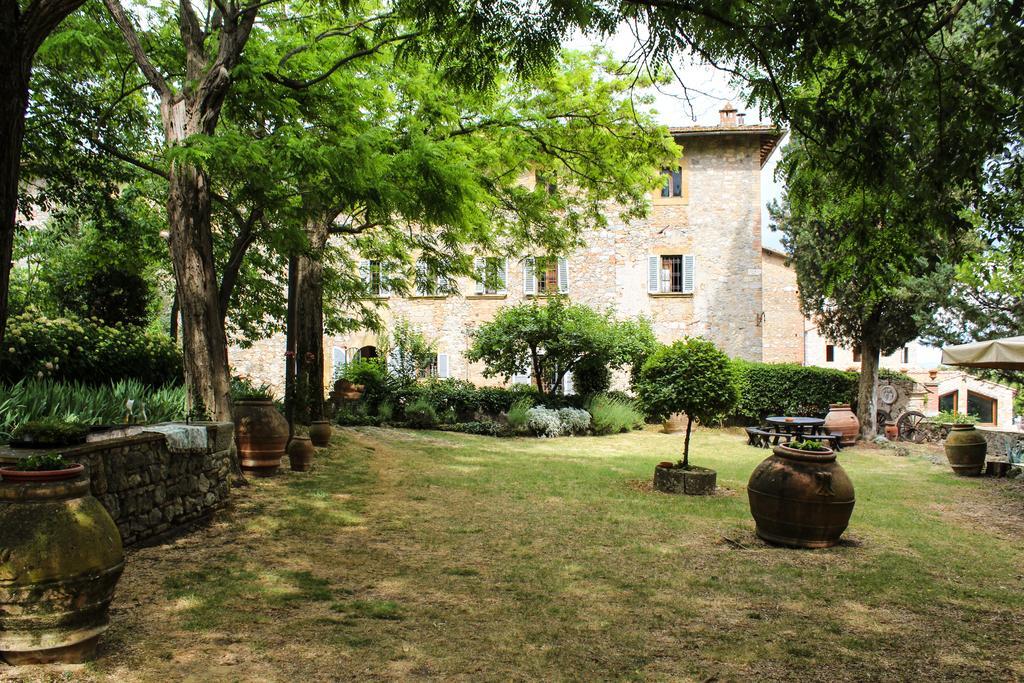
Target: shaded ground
{"points": [[429, 555]]}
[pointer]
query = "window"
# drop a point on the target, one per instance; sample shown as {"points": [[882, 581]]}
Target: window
{"points": [[830, 353], [982, 407], [427, 283], [672, 182], [948, 402], [436, 367], [373, 276], [670, 274], [545, 275], [856, 355], [491, 275]]}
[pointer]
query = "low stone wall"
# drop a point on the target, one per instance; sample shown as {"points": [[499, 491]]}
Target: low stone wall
{"points": [[148, 490], [1002, 444]]}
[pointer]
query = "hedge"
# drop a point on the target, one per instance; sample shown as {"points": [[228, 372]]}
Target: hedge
{"points": [[86, 351], [790, 389]]}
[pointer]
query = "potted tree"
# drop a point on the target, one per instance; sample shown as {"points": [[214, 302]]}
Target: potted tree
{"points": [[695, 378], [261, 431]]}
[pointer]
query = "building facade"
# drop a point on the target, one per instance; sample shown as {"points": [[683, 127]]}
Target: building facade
{"points": [[694, 266]]}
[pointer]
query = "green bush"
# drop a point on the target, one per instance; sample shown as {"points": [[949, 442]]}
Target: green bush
{"points": [[519, 415], [50, 431], [611, 414], [77, 403], [789, 389], [543, 422], [43, 462], [575, 421], [949, 417], [372, 374], [421, 414], [86, 351], [480, 428]]}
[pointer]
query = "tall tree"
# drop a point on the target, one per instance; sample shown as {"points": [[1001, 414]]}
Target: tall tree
{"points": [[23, 28]]}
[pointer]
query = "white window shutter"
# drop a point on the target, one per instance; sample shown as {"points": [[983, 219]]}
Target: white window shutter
{"points": [[503, 275], [653, 274], [530, 276], [563, 276], [481, 274], [338, 359], [442, 365], [567, 386], [688, 264]]}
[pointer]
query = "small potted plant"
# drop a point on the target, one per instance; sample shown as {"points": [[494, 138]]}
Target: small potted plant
{"points": [[965, 446], [41, 467], [695, 378]]}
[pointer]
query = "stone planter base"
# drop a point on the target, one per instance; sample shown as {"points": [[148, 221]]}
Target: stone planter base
{"points": [[696, 481]]}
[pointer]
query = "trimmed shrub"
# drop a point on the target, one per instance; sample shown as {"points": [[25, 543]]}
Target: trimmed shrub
{"points": [[480, 428], [421, 414], [543, 422], [519, 415], [86, 351], [574, 420], [612, 414], [789, 389]]}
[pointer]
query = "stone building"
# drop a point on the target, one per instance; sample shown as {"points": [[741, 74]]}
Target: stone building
{"points": [[694, 266]]}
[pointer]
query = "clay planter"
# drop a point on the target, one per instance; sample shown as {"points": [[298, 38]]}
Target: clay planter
{"points": [[675, 424], [801, 499], [842, 419], [60, 559], [891, 432], [696, 481], [300, 453], [261, 433], [320, 433], [965, 450], [347, 391]]}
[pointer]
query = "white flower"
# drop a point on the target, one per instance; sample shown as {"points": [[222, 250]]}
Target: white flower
{"points": [[11, 349], [48, 365], [39, 374]]}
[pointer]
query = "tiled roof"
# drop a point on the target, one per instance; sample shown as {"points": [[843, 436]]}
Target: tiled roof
{"points": [[770, 135]]}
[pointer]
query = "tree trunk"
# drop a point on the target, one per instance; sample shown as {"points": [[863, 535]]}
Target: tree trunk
{"points": [[289, 347], [204, 341], [309, 321], [867, 390], [174, 318], [686, 443], [13, 105]]}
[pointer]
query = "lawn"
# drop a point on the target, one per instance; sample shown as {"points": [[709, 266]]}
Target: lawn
{"points": [[426, 554]]}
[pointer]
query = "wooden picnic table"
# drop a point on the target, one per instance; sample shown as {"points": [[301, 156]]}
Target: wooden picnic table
{"points": [[795, 425]]}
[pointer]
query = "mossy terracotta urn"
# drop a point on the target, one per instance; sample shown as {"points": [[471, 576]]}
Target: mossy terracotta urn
{"points": [[60, 560], [966, 449]]}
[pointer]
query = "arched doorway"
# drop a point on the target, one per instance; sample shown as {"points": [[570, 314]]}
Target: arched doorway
{"points": [[368, 352]]}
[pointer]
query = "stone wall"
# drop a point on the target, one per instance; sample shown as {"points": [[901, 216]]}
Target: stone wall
{"points": [[148, 490], [717, 220], [783, 325]]}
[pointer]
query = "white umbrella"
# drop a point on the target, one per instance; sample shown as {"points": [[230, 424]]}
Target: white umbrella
{"points": [[999, 354]]}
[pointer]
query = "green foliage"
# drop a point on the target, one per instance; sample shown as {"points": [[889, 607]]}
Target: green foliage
{"points": [[948, 417], [30, 400], [544, 422], [50, 431], [551, 339], [574, 421], [591, 376], [244, 389], [42, 462], [691, 376], [480, 428], [386, 412], [519, 415], [421, 414], [809, 445], [408, 352], [790, 389], [86, 351], [612, 414], [372, 374]]}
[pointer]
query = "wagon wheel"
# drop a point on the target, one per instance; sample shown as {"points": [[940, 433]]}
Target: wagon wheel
{"points": [[909, 427]]}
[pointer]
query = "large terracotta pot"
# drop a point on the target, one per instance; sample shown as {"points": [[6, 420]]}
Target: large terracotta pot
{"points": [[965, 450], [891, 431], [675, 424], [320, 433], [300, 453], [60, 559], [800, 498], [261, 433], [347, 391], [842, 419]]}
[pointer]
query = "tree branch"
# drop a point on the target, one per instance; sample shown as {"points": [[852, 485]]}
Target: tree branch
{"points": [[243, 240], [39, 20], [117, 13]]}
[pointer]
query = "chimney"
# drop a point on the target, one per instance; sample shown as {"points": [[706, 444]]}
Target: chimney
{"points": [[739, 118], [727, 114]]}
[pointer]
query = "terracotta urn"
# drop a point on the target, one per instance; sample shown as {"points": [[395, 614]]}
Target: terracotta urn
{"points": [[675, 423], [842, 419], [320, 433], [801, 499], [261, 433], [891, 432], [60, 560], [300, 453], [965, 450]]}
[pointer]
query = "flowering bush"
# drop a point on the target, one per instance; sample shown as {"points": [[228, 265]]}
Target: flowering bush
{"points": [[87, 351], [574, 420], [544, 422]]}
